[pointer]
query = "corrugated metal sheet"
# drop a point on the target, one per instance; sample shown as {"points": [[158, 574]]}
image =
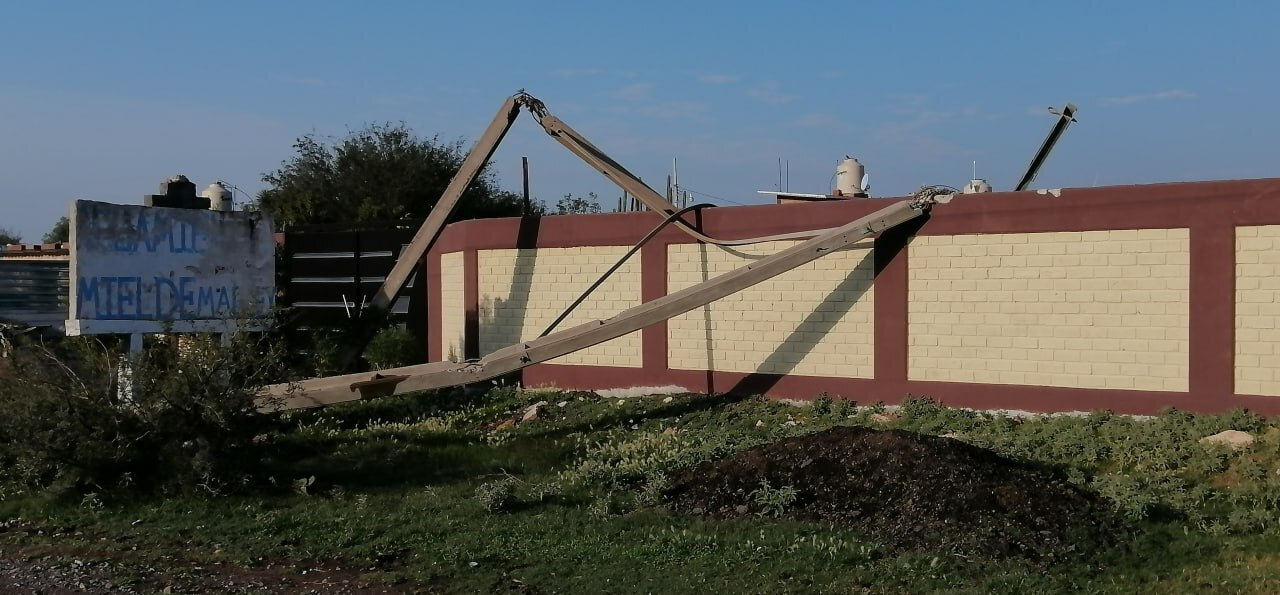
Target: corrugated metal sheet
{"points": [[34, 291]]}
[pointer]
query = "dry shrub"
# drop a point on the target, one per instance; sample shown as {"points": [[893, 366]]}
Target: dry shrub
{"points": [[189, 422]]}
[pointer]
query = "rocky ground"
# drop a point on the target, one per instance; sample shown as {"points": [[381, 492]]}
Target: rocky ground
{"points": [[39, 565], [43, 576]]}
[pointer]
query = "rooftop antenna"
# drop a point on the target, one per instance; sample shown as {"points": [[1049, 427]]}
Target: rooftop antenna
{"points": [[675, 178], [976, 184]]}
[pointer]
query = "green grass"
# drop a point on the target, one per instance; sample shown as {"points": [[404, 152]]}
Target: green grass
{"points": [[427, 490]]}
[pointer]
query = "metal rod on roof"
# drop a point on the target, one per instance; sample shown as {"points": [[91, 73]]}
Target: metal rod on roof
{"points": [[1065, 118], [524, 161], [675, 178]]}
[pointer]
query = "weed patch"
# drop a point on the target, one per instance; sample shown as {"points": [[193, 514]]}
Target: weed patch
{"points": [[68, 423], [451, 491]]}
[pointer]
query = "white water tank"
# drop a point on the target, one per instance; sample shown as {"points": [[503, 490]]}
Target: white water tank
{"points": [[849, 176], [975, 186], [220, 198]]}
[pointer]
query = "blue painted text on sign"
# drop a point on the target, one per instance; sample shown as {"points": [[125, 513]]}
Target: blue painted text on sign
{"points": [[163, 298], [160, 233]]}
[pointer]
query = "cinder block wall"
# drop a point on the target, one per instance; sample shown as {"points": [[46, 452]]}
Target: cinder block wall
{"points": [[817, 320], [524, 291], [1257, 370], [1097, 309], [452, 307], [1132, 298]]}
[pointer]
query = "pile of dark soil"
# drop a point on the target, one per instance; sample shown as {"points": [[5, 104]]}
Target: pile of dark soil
{"points": [[910, 492]]}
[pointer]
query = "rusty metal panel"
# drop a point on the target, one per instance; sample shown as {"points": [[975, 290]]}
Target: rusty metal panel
{"points": [[34, 291], [137, 263]]}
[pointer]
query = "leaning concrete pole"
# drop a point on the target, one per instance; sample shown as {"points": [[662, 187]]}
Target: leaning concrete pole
{"points": [[426, 236], [397, 381], [410, 258]]}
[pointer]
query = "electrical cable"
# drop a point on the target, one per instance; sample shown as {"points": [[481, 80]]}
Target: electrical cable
{"points": [[653, 232], [602, 162], [743, 204], [580, 146]]}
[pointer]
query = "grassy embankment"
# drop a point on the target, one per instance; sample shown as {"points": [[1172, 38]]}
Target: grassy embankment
{"points": [[437, 490]]}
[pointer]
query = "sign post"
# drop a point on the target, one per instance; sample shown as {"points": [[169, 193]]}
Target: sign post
{"points": [[138, 269], [142, 269]]}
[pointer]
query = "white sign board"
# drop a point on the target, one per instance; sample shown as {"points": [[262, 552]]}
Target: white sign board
{"points": [[141, 269]]}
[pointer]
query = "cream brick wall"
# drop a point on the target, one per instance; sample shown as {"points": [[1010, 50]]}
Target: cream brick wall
{"points": [[1258, 310], [1103, 309], [815, 320], [523, 291], [452, 306]]}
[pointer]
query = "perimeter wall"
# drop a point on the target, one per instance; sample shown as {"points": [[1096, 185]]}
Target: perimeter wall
{"points": [[1130, 298]]}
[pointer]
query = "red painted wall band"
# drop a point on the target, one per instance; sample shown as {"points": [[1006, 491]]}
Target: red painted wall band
{"points": [[1210, 210], [471, 304], [1212, 326], [653, 285], [435, 315]]}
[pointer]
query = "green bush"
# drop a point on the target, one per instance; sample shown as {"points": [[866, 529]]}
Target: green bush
{"points": [[655, 489], [822, 405], [497, 495], [189, 422], [393, 347], [626, 459], [773, 501], [323, 350]]}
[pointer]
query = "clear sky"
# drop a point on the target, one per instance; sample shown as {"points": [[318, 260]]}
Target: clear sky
{"points": [[103, 100]]}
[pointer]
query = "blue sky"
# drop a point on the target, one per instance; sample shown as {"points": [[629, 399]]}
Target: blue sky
{"points": [[103, 100]]}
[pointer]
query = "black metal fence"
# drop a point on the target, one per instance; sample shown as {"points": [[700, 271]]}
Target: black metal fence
{"points": [[328, 273], [34, 290]]}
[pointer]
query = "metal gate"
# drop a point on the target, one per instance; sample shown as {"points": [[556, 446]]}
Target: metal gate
{"points": [[329, 272]]}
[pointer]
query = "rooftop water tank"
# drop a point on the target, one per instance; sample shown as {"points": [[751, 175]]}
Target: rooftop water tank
{"points": [[220, 198], [849, 178]]}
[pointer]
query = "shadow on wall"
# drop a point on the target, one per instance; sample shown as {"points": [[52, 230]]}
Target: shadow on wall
{"points": [[708, 327], [790, 352], [503, 318], [505, 331], [708, 332], [811, 331], [560, 282]]}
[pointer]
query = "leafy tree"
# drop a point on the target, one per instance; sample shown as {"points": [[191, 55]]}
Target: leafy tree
{"points": [[577, 205], [8, 237], [61, 232], [383, 172]]}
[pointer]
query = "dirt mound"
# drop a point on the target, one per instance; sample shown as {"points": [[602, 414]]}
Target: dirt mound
{"points": [[908, 491]]}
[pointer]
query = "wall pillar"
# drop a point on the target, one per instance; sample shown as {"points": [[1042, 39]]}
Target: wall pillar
{"points": [[890, 306], [1211, 349], [434, 292], [471, 301], [653, 285]]}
